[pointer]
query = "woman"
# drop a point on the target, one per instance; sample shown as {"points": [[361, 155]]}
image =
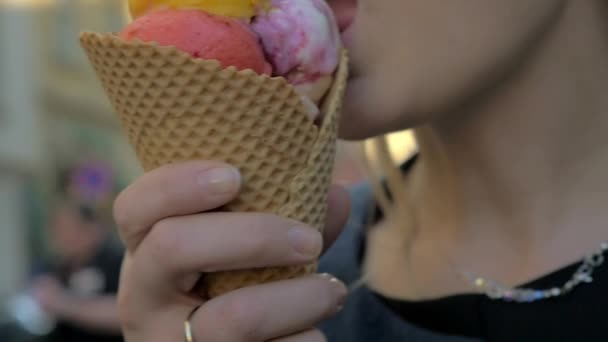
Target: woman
{"points": [[508, 191]]}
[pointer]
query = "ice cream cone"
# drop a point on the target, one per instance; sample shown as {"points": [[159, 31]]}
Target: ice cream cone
{"points": [[176, 108]]}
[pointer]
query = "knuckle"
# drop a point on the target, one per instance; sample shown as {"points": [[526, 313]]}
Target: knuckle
{"points": [[166, 185], [128, 228], [121, 210], [162, 243], [137, 194], [170, 186]]}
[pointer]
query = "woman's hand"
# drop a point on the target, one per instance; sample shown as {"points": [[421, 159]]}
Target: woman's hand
{"points": [[171, 241]]}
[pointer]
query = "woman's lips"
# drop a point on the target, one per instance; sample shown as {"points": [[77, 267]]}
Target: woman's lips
{"points": [[345, 12]]}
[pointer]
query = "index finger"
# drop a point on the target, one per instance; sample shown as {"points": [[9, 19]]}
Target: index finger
{"points": [[173, 190]]}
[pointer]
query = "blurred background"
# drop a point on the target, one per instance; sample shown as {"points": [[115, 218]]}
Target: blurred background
{"points": [[63, 158]]}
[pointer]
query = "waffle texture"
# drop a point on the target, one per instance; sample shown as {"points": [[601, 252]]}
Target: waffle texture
{"points": [[176, 108]]}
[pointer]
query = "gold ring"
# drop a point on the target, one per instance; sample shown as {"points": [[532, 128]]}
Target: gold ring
{"points": [[188, 326]]}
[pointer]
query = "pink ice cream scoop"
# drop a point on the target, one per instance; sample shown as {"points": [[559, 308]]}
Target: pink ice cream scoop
{"points": [[202, 35], [302, 40]]}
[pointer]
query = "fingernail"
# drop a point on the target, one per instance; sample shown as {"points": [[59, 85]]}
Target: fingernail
{"points": [[340, 291], [305, 241], [220, 180]]}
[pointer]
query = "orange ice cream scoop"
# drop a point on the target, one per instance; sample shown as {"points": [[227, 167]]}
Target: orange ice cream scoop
{"points": [[202, 35]]}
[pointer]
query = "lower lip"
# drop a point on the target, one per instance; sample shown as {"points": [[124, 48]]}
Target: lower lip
{"points": [[345, 11]]}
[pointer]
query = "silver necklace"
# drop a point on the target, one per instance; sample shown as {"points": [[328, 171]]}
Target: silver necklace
{"points": [[582, 275]]}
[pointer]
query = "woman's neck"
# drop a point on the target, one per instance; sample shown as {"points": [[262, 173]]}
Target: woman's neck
{"points": [[532, 160], [521, 177]]}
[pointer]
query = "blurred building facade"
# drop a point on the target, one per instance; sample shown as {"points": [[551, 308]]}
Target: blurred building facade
{"points": [[52, 114]]}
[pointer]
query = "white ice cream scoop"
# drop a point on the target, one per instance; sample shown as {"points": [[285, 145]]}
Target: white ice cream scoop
{"points": [[302, 40]]}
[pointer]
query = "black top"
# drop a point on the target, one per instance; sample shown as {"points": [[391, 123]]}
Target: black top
{"points": [[578, 316], [99, 277], [368, 316]]}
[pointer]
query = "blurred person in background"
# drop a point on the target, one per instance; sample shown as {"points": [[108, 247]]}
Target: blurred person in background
{"points": [[78, 286]]}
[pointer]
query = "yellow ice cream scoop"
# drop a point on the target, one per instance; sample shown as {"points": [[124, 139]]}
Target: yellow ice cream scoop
{"points": [[232, 8]]}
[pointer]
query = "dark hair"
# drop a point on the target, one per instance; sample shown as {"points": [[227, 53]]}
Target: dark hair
{"points": [[86, 213]]}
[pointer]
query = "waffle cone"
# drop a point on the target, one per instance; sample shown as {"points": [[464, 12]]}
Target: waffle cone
{"points": [[176, 108]]}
